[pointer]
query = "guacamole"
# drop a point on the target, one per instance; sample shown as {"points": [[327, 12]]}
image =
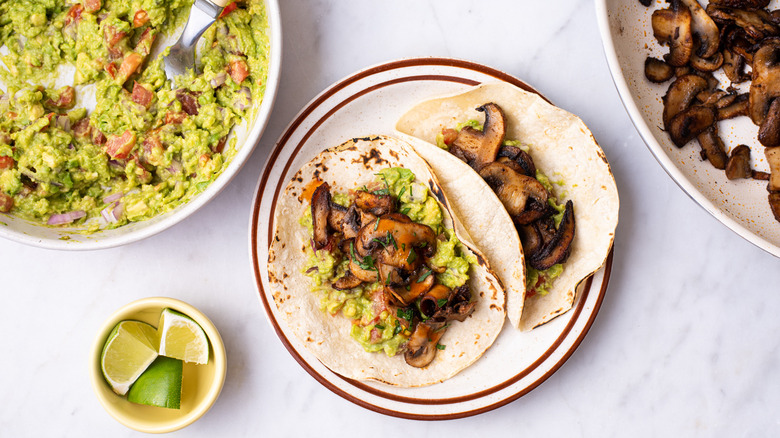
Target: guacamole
{"points": [[381, 327], [151, 143]]}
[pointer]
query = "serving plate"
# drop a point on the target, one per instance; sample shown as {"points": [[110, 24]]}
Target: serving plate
{"points": [[740, 205], [247, 135], [370, 102]]}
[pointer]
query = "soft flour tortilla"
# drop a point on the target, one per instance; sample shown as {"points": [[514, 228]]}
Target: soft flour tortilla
{"points": [[348, 167], [562, 148]]}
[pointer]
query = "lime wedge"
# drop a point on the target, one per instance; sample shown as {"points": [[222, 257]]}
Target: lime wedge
{"points": [[159, 385], [128, 351], [182, 338]]}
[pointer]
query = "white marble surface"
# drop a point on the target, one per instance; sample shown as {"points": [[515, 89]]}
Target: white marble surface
{"points": [[686, 343]]}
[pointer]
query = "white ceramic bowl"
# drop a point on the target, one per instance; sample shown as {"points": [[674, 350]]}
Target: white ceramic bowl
{"points": [[740, 205], [247, 136]]}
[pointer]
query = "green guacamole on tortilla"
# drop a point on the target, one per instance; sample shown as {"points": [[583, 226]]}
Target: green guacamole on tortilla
{"points": [[148, 143], [373, 273]]}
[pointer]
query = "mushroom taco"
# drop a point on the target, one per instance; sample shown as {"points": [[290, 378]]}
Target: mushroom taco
{"points": [[374, 274], [539, 173]]}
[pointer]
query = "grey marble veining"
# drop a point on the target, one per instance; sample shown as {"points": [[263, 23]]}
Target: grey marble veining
{"points": [[686, 342]]}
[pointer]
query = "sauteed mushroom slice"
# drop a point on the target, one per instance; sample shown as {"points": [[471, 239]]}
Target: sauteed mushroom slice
{"points": [[741, 3], [373, 203], [734, 67], [773, 158], [523, 161], [559, 247], [681, 94], [739, 106], [481, 147], [738, 165], [766, 79], [769, 131], [658, 71], [365, 274], [320, 210], [689, 123], [514, 190], [705, 32], [419, 285], [347, 281], [756, 23], [404, 243], [712, 147], [421, 347], [429, 303], [673, 26], [707, 64]]}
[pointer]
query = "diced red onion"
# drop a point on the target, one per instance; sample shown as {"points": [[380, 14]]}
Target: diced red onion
{"points": [[63, 122], [219, 79], [113, 197], [116, 165], [175, 167], [244, 100], [312, 269], [66, 218]]}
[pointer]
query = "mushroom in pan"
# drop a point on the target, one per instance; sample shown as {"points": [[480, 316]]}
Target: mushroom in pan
{"points": [[524, 197], [741, 3], [712, 147], [769, 131], [673, 26], [773, 158], [756, 23], [681, 94], [689, 123], [479, 148], [705, 34], [738, 165], [730, 108], [766, 79], [658, 71]]}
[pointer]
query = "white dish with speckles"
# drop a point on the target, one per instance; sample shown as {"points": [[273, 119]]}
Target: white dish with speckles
{"points": [[740, 205]]}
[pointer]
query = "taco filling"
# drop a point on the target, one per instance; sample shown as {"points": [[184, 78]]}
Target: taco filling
{"points": [[381, 257], [546, 226]]}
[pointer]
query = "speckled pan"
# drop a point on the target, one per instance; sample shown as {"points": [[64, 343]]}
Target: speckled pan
{"points": [[369, 103], [740, 205]]}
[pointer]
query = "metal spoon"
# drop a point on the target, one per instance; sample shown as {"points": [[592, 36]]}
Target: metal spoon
{"points": [[182, 54]]}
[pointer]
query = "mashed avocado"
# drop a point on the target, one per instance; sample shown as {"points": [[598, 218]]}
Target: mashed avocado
{"points": [[383, 331], [151, 142]]}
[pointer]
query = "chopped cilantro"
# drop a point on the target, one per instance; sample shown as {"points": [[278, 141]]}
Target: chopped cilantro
{"points": [[406, 314], [366, 263], [397, 329], [412, 256], [376, 224], [406, 210], [441, 302], [440, 347], [424, 276], [391, 240], [380, 326]]}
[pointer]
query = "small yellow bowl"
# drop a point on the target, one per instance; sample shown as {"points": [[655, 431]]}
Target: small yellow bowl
{"points": [[201, 384]]}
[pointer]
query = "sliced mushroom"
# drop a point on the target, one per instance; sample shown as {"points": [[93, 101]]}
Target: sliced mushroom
{"points": [[347, 281], [712, 97], [673, 26], [403, 243], [755, 22], [712, 147], [689, 123], [705, 32], [737, 107], [421, 347], [514, 190], [741, 3], [320, 210], [738, 165], [769, 131], [681, 94], [657, 71], [558, 248], [416, 288], [773, 158], [707, 64], [373, 203], [429, 303], [766, 79], [481, 147], [523, 161], [774, 204], [734, 67]]}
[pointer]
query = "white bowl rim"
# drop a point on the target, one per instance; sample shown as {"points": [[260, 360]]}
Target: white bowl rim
{"points": [[652, 144], [183, 211]]}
